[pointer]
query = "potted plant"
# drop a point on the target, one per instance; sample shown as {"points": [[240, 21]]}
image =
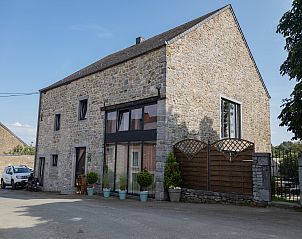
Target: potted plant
{"points": [[123, 187], [106, 186], [91, 178], [172, 180], [144, 179]]}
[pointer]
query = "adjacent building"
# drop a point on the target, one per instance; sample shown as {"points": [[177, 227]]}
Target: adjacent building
{"points": [[125, 112], [8, 140]]}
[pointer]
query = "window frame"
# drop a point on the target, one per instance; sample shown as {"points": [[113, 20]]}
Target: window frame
{"points": [[54, 162], [57, 127], [238, 118], [80, 117]]}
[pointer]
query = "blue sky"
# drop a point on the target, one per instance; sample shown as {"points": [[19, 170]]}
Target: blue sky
{"points": [[41, 42]]}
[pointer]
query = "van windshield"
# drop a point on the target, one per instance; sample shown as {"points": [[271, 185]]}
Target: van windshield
{"points": [[21, 170]]}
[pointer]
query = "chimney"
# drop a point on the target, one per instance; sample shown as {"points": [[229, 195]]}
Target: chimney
{"points": [[139, 40]]}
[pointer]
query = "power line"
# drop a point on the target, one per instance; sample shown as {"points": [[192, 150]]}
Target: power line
{"points": [[5, 95]]}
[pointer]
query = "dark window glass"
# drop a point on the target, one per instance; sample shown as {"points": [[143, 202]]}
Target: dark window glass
{"points": [[111, 122], [149, 161], [109, 164], [230, 119], [135, 152], [136, 119], [54, 160], [57, 122], [123, 121], [121, 163], [150, 117], [83, 109]]}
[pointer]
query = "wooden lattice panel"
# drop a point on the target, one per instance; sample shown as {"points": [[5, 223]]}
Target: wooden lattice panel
{"points": [[190, 147]]}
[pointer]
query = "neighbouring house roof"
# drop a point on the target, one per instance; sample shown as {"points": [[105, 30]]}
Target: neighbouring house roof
{"points": [[12, 134], [144, 47]]}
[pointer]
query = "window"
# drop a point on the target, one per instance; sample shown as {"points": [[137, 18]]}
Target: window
{"points": [[123, 120], [136, 119], [57, 122], [55, 160], [111, 122], [150, 117], [83, 109], [230, 119]]}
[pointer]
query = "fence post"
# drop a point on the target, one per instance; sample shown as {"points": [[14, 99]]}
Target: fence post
{"points": [[261, 177], [300, 175]]}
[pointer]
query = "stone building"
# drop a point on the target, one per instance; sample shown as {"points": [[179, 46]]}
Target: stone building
{"points": [[125, 112], [8, 140]]}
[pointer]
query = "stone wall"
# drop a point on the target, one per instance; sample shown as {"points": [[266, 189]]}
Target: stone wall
{"points": [[6, 160], [7, 140], [261, 177], [205, 64], [135, 79]]}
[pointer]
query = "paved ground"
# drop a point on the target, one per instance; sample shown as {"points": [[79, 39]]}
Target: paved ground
{"points": [[43, 215]]}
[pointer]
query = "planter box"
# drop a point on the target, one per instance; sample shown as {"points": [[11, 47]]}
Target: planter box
{"points": [[174, 195]]}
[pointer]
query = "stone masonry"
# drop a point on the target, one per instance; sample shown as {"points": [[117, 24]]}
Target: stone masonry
{"points": [[192, 72]]}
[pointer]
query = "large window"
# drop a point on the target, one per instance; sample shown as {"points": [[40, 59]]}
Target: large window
{"points": [[123, 120], [230, 119], [127, 160], [150, 117], [110, 163], [111, 122], [136, 119]]}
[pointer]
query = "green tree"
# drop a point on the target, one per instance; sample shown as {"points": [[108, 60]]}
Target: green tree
{"points": [[290, 26]]}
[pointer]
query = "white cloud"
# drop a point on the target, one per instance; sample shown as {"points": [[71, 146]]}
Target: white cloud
{"points": [[25, 132], [99, 31]]}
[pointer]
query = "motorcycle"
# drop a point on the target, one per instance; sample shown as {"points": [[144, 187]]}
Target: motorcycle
{"points": [[33, 183]]}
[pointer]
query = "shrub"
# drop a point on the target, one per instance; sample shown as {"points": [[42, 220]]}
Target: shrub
{"points": [[123, 182], [92, 178], [107, 178], [144, 179], [172, 173]]}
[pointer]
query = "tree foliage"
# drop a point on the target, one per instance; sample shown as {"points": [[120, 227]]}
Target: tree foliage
{"points": [[22, 150], [290, 26]]}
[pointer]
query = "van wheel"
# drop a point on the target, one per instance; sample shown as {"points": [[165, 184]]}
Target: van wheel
{"points": [[2, 184], [13, 185]]}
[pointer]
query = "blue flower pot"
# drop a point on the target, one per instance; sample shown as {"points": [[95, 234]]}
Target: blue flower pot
{"points": [[106, 192], [122, 194], [90, 191], [143, 195]]}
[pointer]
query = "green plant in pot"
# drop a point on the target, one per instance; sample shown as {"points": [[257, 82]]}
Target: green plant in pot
{"points": [[91, 179], [106, 183], [144, 179], [123, 187], [172, 180]]}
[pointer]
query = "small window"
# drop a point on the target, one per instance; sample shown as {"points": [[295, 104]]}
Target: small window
{"points": [[230, 119], [123, 121], [136, 119], [150, 117], [111, 122], [55, 160], [83, 109], [57, 122]]}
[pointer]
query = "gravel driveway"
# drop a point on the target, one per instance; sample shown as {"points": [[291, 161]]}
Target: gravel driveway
{"points": [[46, 215]]}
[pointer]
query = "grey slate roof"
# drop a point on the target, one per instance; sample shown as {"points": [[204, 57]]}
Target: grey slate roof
{"points": [[130, 52]]}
